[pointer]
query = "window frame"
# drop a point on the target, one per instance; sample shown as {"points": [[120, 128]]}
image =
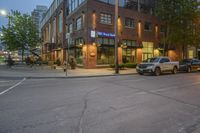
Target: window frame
{"points": [[106, 18], [130, 20], [79, 23], [150, 28]]}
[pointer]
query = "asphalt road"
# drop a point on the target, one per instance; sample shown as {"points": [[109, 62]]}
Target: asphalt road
{"points": [[115, 104]]}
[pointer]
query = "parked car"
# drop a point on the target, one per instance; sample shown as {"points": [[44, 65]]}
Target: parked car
{"points": [[157, 66], [189, 65]]}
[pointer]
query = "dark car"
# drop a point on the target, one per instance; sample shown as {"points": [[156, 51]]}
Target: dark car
{"points": [[189, 65]]}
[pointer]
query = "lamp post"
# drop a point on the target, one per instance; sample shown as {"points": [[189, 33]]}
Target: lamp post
{"points": [[116, 37]]}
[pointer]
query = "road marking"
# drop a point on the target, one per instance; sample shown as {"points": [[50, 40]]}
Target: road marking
{"points": [[3, 92], [3, 81]]}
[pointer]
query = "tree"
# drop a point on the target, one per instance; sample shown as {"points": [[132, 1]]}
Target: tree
{"points": [[178, 16], [21, 33]]}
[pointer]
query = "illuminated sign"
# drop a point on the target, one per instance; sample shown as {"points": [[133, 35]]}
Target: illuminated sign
{"points": [[94, 34], [105, 34]]}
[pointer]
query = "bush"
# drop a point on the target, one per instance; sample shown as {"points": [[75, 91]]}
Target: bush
{"points": [[45, 62], [130, 65], [121, 66], [72, 62], [125, 65], [58, 62]]}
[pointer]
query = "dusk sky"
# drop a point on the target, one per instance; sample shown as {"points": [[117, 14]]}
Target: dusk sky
{"points": [[24, 6]]}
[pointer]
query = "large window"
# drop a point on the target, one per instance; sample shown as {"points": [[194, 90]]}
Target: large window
{"points": [[129, 22], [128, 51], [76, 50], [106, 18], [128, 55], [105, 51], [73, 4], [60, 28], [105, 55], [106, 41], [148, 26], [121, 2], [78, 23], [147, 50], [70, 28], [129, 43]]}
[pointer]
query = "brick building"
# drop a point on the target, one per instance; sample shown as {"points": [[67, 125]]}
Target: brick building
{"points": [[85, 30]]}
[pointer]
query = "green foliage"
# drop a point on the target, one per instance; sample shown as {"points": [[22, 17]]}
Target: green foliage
{"points": [[57, 62], [130, 65], [20, 33], [125, 65], [179, 17]]}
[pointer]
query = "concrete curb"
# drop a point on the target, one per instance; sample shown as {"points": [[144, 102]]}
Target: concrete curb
{"points": [[70, 77]]}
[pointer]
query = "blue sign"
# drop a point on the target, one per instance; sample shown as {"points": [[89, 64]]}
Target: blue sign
{"points": [[105, 34]]}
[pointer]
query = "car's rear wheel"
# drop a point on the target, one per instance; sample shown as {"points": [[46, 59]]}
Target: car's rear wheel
{"points": [[175, 70], [157, 72], [189, 69]]}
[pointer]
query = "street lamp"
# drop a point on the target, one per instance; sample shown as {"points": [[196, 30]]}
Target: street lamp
{"points": [[3, 12], [116, 37]]}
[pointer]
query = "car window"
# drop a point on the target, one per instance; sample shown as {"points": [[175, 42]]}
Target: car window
{"points": [[154, 60], [195, 61], [163, 60], [167, 60], [186, 61]]}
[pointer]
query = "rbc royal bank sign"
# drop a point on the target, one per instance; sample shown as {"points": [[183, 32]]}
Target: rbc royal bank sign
{"points": [[95, 34]]}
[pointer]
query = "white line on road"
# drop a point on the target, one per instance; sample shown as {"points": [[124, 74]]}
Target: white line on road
{"points": [[3, 92], [4, 81]]}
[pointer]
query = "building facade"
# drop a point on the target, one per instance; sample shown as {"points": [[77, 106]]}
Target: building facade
{"points": [[37, 14], [84, 29]]}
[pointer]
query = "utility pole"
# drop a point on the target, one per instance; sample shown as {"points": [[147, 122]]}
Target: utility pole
{"points": [[138, 5], [116, 37]]}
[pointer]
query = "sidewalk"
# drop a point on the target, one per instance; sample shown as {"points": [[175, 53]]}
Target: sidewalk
{"points": [[47, 72]]}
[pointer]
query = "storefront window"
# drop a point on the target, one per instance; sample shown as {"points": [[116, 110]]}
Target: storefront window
{"points": [[190, 54], [128, 51], [105, 51], [105, 55], [147, 50], [128, 55], [76, 50]]}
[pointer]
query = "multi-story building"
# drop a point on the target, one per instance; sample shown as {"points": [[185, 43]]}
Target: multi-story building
{"points": [[54, 32], [37, 14], [85, 30]]}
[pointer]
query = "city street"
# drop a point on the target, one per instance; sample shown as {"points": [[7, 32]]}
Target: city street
{"points": [[112, 104]]}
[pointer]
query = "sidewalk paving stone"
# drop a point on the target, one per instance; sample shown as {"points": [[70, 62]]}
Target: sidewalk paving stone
{"points": [[47, 72]]}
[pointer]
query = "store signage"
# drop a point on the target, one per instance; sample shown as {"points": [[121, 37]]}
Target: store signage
{"points": [[95, 34], [105, 34]]}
